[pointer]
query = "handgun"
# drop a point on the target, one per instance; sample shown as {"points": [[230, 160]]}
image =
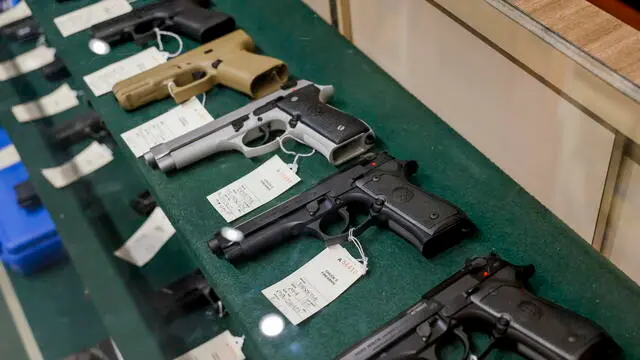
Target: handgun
{"points": [[377, 186], [88, 125], [229, 61], [55, 71], [22, 30], [183, 17], [298, 110], [188, 294], [487, 295]]}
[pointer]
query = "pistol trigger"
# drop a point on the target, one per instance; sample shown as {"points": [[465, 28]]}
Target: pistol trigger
{"points": [[266, 130], [344, 214]]}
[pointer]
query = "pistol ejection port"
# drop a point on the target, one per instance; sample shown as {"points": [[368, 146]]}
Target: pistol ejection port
{"points": [[99, 47]]}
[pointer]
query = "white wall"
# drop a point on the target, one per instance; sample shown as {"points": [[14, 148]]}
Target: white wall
{"points": [[550, 147]]}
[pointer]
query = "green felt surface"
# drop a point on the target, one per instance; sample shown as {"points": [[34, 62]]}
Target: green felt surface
{"points": [[509, 220], [94, 218], [10, 344], [61, 316]]}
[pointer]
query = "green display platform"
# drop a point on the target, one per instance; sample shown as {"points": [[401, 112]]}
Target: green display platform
{"points": [[510, 221], [93, 217], [61, 316]]}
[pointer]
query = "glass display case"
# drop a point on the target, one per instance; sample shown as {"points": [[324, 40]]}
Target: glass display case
{"points": [[99, 211]]}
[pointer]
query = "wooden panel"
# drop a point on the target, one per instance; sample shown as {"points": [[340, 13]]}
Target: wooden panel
{"points": [[554, 150], [592, 29], [321, 7], [584, 80], [622, 240]]}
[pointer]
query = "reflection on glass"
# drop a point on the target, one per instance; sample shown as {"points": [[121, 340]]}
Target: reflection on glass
{"points": [[271, 325]]}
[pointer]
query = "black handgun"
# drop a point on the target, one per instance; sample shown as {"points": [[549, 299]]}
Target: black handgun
{"points": [[22, 30], [184, 17], [88, 125], [185, 295], [488, 295], [377, 186], [55, 71]]}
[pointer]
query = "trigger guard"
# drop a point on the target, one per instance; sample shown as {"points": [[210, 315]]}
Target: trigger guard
{"points": [[459, 332]]}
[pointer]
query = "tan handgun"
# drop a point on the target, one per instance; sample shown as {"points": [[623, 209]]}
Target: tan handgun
{"points": [[228, 61]]}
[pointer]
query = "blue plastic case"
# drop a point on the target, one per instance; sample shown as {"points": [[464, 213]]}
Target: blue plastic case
{"points": [[28, 238]]}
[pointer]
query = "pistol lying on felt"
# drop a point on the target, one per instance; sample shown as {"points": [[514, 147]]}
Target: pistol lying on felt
{"points": [[299, 111], [379, 186], [228, 61], [183, 17], [488, 295]]}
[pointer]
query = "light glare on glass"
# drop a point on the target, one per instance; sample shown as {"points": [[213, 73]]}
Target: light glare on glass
{"points": [[99, 47], [271, 325]]}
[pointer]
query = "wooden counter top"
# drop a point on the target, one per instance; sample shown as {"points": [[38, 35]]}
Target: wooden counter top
{"points": [[590, 28]]}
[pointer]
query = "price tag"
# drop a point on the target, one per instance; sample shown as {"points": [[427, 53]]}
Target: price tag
{"points": [[61, 99], [102, 81], [168, 126], [254, 189], [88, 16], [92, 158], [315, 285], [8, 156], [145, 243], [16, 13], [222, 347], [26, 62]]}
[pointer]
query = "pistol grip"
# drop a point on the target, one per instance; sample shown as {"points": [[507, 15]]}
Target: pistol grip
{"points": [[544, 329], [251, 74]]}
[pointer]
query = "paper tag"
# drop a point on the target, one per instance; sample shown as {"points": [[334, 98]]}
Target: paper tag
{"points": [[315, 284], [16, 13], [59, 100], [90, 15], [168, 126], [8, 156], [102, 81], [145, 243], [26, 62], [222, 347], [254, 189], [92, 158]]}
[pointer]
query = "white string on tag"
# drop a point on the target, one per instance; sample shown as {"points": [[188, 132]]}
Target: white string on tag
{"points": [[204, 98], [294, 165], [364, 260], [159, 34]]}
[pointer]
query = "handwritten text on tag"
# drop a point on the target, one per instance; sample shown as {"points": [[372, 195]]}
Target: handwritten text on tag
{"points": [[145, 243], [90, 15], [315, 285], [102, 81], [254, 189], [175, 122], [59, 100], [90, 159]]}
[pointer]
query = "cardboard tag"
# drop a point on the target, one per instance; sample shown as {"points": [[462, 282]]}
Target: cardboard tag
{"points": [[16, 13], [222, 347], [90, 15], [168, 126], [315, 285], [59, 100], [26, 62], [101, 82], [145, 243], [254, 189], [92, 158], [8, 156]]}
